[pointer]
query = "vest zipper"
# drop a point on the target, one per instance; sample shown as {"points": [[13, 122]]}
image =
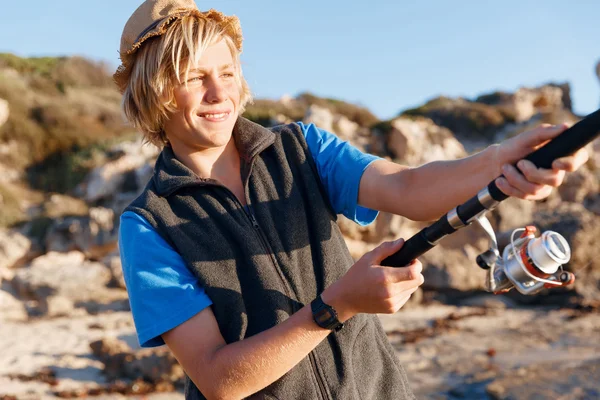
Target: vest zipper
{"points": [[264, 242], [320, 383], [288, 290], [311, 356], [267, 247]]}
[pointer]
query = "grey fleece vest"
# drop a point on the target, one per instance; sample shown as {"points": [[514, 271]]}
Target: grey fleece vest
{"points": [[260, 267]]}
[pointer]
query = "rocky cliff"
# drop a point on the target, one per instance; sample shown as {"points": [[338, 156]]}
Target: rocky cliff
{"points": [[69, 166]]}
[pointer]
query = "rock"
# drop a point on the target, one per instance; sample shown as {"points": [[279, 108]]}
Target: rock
{"points": [[108, 347], [113, 262], [415, 300], [153, 365], [8, 171], [11, 308], [4, 111], [6, 274], [418, 141], [557, 380], [379, 230], [581, 229], [451, 264], [104, 181], [58, 306], [593, 204], [67, 275], [447, 269], [60, 205], [346, 129], [94, 235], [473, 123], [527, 102], [14, 248], [361, 239], [352, 132], [578, 185], [320, 116], [488, 301], [594, 152], [512, 213]]}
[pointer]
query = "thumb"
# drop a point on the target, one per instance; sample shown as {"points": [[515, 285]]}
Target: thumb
{"points": [[385, 250]]}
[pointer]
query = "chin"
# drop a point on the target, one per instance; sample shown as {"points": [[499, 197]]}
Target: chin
{"points": [[218, 138]]}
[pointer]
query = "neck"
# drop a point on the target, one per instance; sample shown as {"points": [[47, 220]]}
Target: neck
{"points": [[216, 163]]}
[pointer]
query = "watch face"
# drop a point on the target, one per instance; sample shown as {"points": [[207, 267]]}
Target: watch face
{"points": [[324, 317]]}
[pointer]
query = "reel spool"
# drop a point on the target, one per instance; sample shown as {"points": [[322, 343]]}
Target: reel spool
{"points": [[528, 263]]}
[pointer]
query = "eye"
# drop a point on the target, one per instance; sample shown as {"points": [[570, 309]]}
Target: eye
{"points": [[227, 75], [195, 79]]}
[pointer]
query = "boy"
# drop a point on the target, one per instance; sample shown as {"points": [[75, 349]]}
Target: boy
{"points": [[232, 255]]}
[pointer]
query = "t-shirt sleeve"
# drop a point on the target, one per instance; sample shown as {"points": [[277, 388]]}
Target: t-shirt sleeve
{"points": [[340, 166], [163, 292]]}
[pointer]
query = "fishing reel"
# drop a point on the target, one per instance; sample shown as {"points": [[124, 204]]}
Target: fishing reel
{"points": [[528, 263]]}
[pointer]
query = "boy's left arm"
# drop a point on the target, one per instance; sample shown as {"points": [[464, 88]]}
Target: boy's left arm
{"points": [[427, 192]]}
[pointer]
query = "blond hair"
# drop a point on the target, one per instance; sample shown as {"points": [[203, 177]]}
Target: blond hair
{"points": [[159, 66]]}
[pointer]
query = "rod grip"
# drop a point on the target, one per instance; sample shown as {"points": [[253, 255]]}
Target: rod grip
{"points": [[413, 248], [565, 144], [568, 142]]}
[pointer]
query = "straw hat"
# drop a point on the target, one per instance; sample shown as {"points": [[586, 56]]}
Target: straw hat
{"points": [[152, 19]]}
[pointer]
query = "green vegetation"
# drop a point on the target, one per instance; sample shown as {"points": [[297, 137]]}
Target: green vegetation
{"points": [[265, 111], [64, 113], [57, 106], [360, 115], [43, 66], [62, 171], [465, 118], [493, 98], [62, 72]]}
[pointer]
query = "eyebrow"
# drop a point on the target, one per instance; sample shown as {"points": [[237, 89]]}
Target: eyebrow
{"points": [[204, 71]]}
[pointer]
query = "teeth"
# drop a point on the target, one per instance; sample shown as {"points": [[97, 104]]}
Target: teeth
{"points": [[215, 116]]}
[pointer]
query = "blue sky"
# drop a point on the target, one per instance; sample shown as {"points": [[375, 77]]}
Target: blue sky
{"points": [[385, 55]]}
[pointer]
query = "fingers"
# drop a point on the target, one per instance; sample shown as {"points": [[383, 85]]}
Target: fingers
{"points": [[396, 303], [533, 183], [410, 274], [541, 176], [519, 182], [513, 191], [573, 162], [398, 285]]}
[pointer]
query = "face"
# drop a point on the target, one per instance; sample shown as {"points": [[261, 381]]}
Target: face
{"points": [[208, 108]]}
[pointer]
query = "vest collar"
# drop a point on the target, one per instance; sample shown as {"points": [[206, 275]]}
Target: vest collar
{"points": [[170, 174]]}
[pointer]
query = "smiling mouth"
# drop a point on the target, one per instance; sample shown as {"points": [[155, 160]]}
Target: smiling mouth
{"points": [[216, 116]]}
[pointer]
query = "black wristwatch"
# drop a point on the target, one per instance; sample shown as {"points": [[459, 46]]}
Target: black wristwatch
{"points": [[324, 315]]}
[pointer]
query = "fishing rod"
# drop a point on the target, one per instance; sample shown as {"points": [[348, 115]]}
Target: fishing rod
{"points": [[528, 263]]}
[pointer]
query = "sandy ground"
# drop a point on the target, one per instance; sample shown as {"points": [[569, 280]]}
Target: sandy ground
{"points": [[448, 352]]}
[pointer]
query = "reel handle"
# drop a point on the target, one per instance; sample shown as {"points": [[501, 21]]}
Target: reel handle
{"points": [[565, 278]]}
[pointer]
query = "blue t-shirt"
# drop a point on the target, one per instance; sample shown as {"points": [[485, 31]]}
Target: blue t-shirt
{"points": [[164, 293]]}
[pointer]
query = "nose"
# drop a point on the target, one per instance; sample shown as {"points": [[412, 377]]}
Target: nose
{"points": [[215, 92]]}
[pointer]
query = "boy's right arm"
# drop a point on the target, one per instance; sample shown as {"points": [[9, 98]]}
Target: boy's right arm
{"points": [[239, 369]]}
